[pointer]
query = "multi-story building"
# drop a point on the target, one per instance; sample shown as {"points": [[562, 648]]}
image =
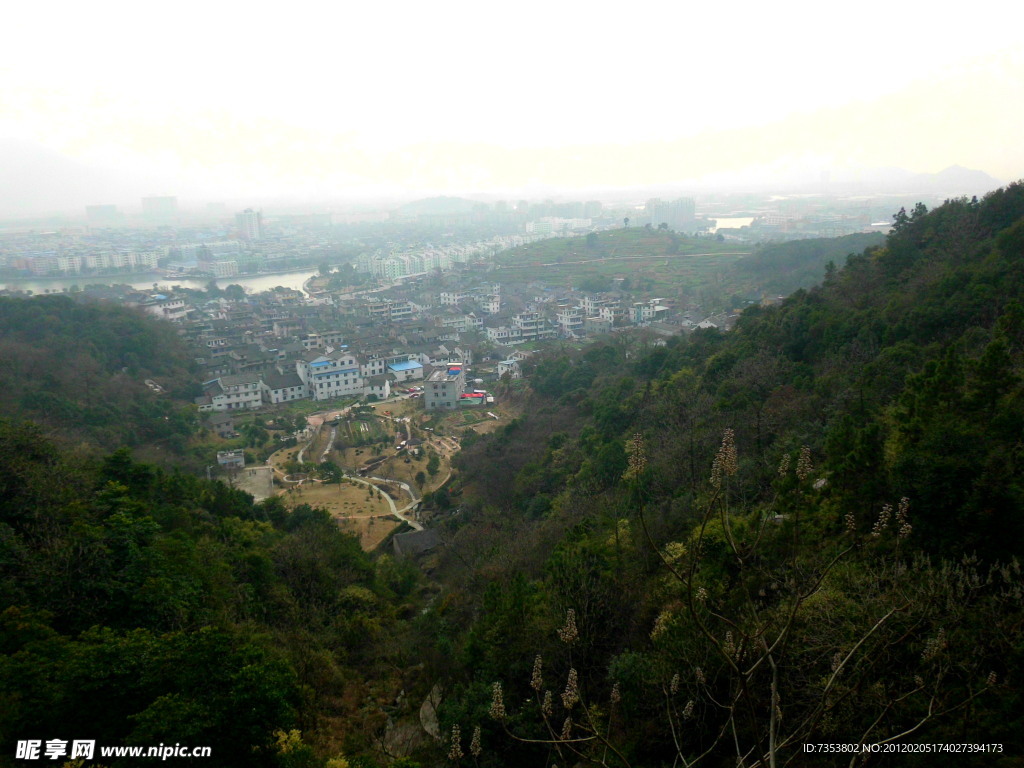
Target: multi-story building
{"points": [[454, 298], [460, 323], [283, 388], [595, 325], [405, 369], [642, 313], [612, 313], [678, 214], [532, 326], [389, 311], [44, 264], [231, 393], [509, 368], [250, 225], [166, 307], [570, 321], [504, 335], [329, 376], [377, 386], [444, 387], [491, 304], [221, 268]]}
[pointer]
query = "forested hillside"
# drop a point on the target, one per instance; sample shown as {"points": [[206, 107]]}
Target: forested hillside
{"points": [[801, 531], [140, 607], [782, 268], [711, 552], [79, 369]]}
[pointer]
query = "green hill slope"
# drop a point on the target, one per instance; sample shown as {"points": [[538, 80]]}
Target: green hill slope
{"points": [[800, 531], [140, 607], [79, 369]]}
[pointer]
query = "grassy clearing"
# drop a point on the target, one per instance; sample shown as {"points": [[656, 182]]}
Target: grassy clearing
{"points": [[357, 508]]}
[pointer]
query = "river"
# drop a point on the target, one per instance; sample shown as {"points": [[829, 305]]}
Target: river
{"points": [[732, 222], [252, 283]]}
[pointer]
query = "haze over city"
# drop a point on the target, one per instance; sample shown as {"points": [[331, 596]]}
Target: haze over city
{"points": [[107, 103]]}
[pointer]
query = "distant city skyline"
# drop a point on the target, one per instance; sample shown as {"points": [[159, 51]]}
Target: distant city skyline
{"points": [[454, 98]]}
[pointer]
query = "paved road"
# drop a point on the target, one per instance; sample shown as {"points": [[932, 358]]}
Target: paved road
{"points": [[399, 513], [414, 498]]}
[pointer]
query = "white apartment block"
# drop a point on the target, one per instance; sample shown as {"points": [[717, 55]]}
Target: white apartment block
{"points": [[454, 298], [491, 304], [166, 307], [373, 367], [532, 326], [231, 393], [504, 335], [250, 224], [283, 388], [331, 376], [642, 313], [223, 268], [570, 321], [400, 310], [75, 263], [461, 323], [390, 311], [592, 306]]}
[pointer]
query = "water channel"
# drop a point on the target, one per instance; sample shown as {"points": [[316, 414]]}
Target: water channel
{"points": [[144, 280]]}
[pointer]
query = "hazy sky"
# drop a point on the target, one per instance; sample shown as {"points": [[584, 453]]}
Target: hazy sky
{"points": [[332, 99]]}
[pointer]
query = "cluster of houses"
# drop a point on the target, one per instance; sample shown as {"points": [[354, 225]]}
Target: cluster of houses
{"points": [[265, 351], [311, 368], [284, 345]]}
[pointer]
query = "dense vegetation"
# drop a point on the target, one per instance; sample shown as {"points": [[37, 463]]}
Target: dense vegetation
{"points": [[712, 551], [803, 530], [79, 367], [782, 268], [142, 607], [647, 260]]}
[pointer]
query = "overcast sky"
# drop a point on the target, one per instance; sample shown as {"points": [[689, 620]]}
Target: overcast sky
{"points": [[335, 99]]}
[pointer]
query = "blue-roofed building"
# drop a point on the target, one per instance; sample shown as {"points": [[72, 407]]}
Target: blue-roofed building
{"points": [[330, 376], [406, 370]]}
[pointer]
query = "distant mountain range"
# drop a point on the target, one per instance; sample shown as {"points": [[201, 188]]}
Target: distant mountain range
{"points": [[37, 181], [955, 180]]}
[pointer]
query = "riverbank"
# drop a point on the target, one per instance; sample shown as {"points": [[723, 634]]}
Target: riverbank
{"points": [[264, 281]]}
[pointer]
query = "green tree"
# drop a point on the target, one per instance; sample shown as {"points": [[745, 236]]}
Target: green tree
{"points": [[255, 435], [329, 471]]}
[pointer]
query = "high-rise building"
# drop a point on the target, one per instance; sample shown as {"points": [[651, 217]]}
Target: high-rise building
{"points": [[250, 224], [680, 214]]}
